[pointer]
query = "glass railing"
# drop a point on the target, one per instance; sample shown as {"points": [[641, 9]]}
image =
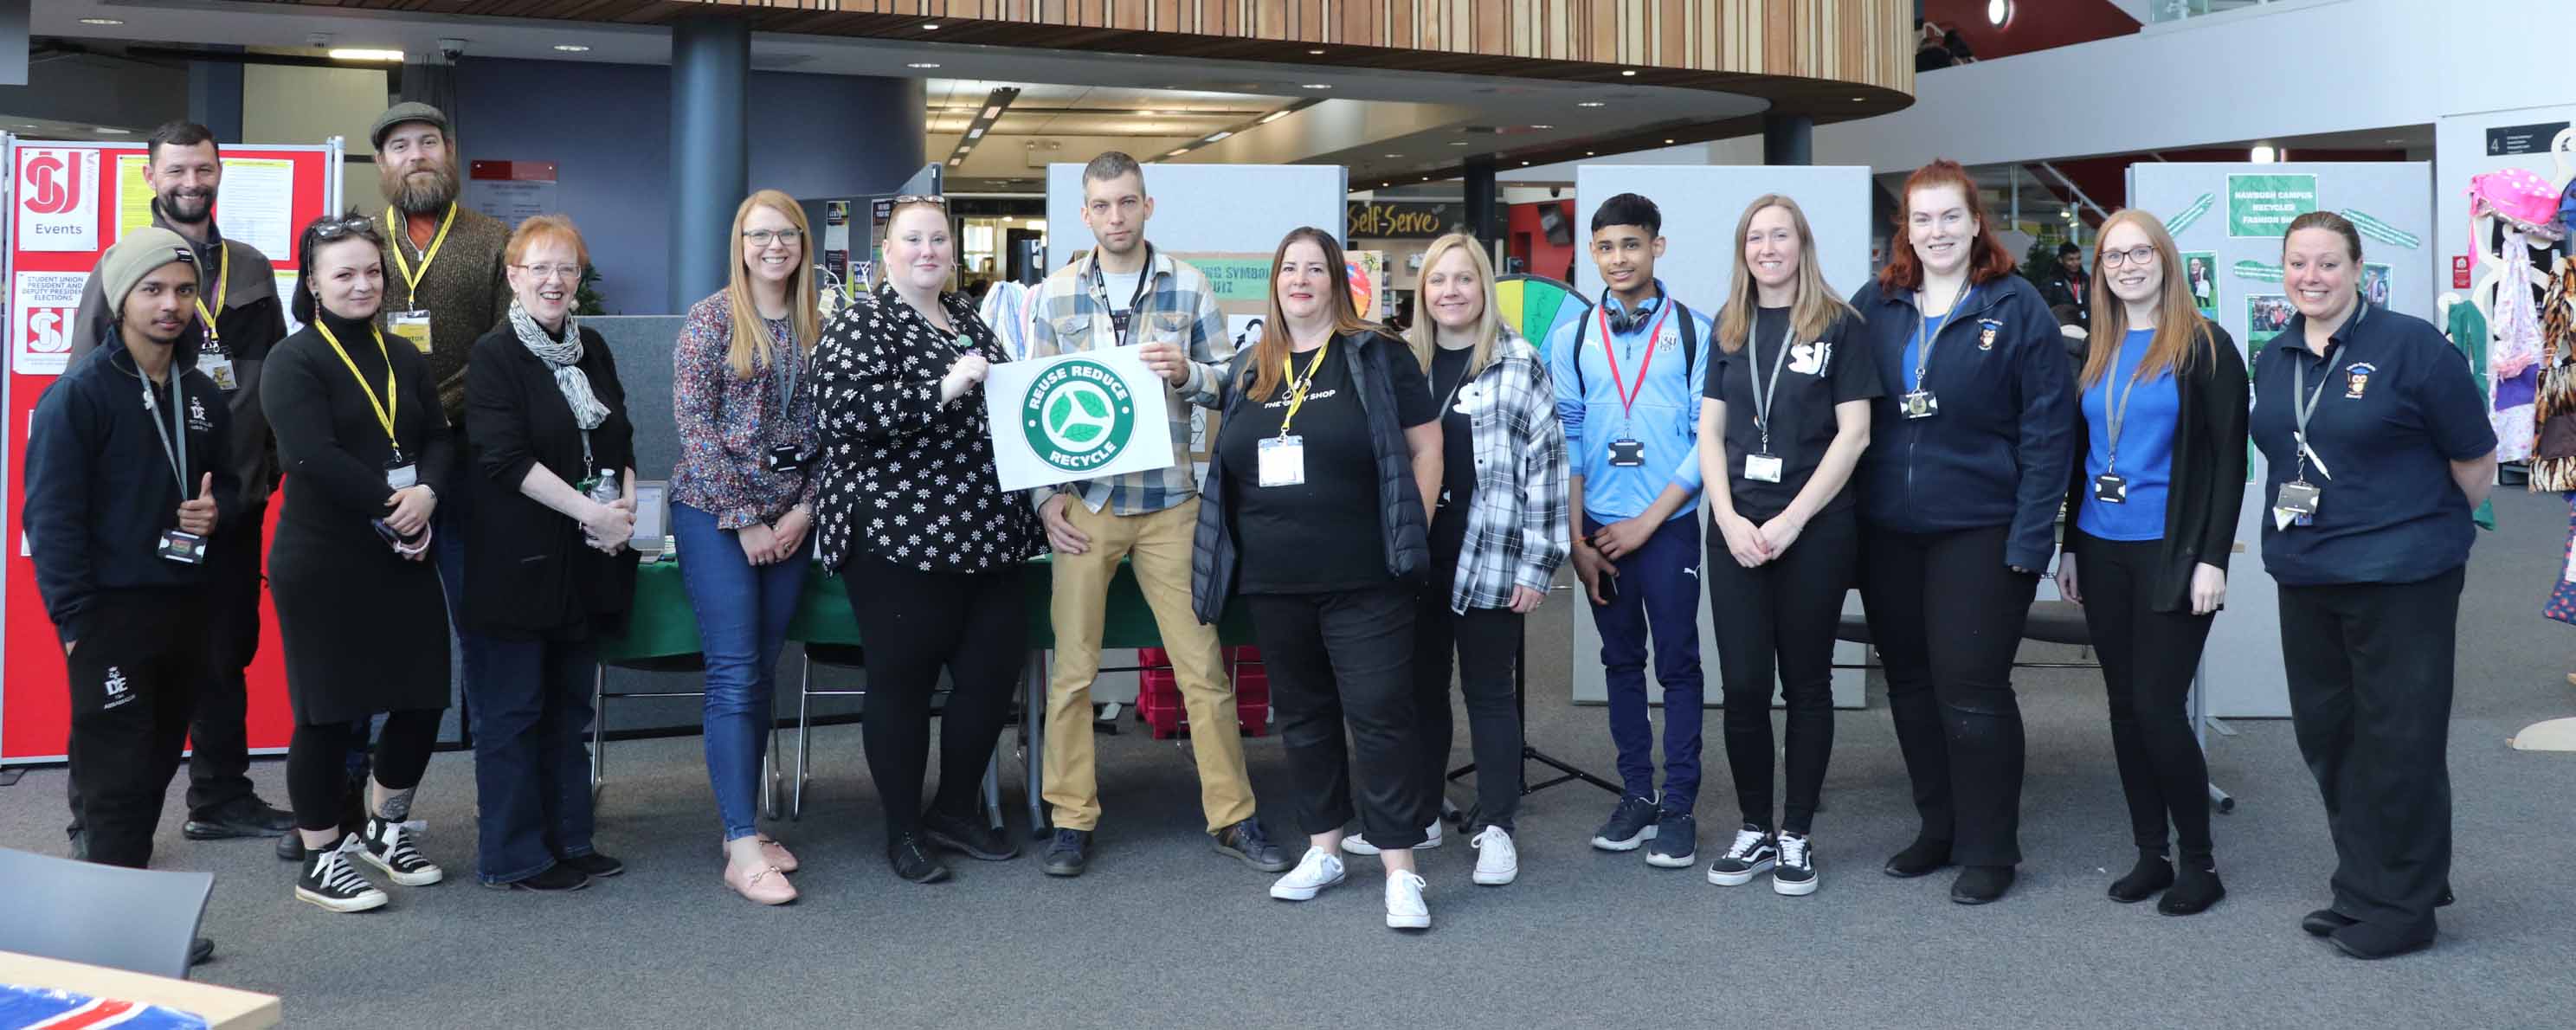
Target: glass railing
{"points": [[2177, 10]]}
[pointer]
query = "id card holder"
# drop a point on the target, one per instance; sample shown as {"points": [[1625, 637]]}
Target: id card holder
{"points": [[183, 547], [1627, 454], [402, 476], [2297, 504], [2111, 488], [1919, 404], [784, 458], [1762, 468], [1283, 461], [411, 325], [219, 367]]}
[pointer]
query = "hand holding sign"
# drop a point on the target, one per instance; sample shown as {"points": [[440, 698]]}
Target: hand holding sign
{"points": [[963, 376], [1077, 416]]}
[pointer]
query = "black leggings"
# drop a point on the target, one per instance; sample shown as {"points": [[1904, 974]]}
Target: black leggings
{"points": [[1786, 609], [2148, 661], [317, 762], [1485, 641], [976, 626]]}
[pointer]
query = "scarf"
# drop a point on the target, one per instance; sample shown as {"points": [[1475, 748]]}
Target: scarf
{"points": [[564, 357]]}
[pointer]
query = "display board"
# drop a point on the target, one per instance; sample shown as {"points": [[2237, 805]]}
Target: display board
{"points": [[2232, 214], [69, 203], [1700, 206]]}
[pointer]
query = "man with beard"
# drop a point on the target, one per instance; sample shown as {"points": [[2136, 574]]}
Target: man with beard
{"points": [[443, 282], [241, 318]]}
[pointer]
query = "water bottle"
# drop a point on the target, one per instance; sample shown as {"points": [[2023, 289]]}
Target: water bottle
{"points": [[603, 490]]}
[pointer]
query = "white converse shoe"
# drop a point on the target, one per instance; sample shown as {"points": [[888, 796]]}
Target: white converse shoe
{"points": [[1497, 862], [1404, 907], [1318, 870], [1355, 844]]}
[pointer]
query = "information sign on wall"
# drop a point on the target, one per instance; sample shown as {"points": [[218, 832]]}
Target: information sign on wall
{"points": [[2264, 205]]}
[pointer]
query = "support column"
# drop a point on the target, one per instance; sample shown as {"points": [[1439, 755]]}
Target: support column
{"points": [[215, 98], [1788, 139], [1484, 200], [710, 170]]}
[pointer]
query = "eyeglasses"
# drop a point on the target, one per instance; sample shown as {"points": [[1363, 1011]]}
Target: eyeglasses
{"points": [[327, 229], [920, 198], [766, 237], [2131, 256], [545, 272]]}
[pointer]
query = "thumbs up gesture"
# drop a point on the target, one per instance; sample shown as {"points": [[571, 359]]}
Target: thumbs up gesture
{"points": [[198, 516]]}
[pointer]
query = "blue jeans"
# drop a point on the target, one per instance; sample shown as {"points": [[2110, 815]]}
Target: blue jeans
{"points": [[1658, 597], [530, 701], [742, 612]]}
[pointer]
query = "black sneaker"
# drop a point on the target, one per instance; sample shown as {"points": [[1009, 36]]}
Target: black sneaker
{"points": [[557, 877], [1795, 874], [1676, 843], [594, 865], [1067, 854], [1245, 840], [1631, 824], [2152, 874], [290, 846], [968, 836], [331, 882], [914, 862], [1752, 852], [246, 816], [387, 846]]}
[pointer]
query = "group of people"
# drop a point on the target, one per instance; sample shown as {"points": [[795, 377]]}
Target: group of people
{"points": [[1388, 508]]}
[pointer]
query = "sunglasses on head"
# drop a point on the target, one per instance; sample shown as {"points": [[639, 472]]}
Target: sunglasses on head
{"points": [[921, 198], [326, 230]]}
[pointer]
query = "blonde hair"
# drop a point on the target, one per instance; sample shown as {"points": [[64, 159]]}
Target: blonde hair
{"points": [[752, 348], [1816, 306], [1424, 334], [2181, 334]]}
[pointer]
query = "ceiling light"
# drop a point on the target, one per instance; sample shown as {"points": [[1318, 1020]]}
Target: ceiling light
{"points": [[1316, 85], [113, 131], [1524, 164], [1587, 153], [1857, 100], [1317, 52], [1395, 155], [992, 112], [976, 133], [349, 54], [102, 21], [1998, 11], [1628, 71], [1276, 115], [1178, 153], [1591, 103], [1542, 126], [2263, 155], [930, 26], [1668, 143], [576, 48], [1150, 114], [1216, 137], [923, 64], [955, 161]]}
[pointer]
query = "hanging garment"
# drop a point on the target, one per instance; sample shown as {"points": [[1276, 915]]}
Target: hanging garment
{"points": [[2552, 445], [2515, 352], [2468, 331], [2561, 604]]}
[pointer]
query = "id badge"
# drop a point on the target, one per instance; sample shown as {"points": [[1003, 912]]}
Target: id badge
{"points": [[219, 368], [2111, 488], [1283, 461], [1627, 454], [2296, 505], [183, 547], [1762, 468], [1920, 404], [784, 458], [402, 477], [411, 325]]}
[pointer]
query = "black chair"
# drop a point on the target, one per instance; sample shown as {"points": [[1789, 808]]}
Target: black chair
{"points": [[101, 915]]}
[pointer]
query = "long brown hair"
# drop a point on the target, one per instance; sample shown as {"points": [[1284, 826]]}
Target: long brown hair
{"points": [[1270, 356], [2182, 337], [1987, 258], [752, 348], [1810, 314], [1424, 334]]}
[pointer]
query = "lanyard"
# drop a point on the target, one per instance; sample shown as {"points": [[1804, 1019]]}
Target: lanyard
{"points": [[178, 455], [2304, 404], [1762, 391], [223, 263], [385, 407], [2118, 413], [1628, 396], [1297, 387], [1121, 327], [394, 231], [786, 368], [1923, 341]]}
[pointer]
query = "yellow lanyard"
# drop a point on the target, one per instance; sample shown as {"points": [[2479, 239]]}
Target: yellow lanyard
{"points": [[399, 234], [223, 263], [384, 411], [1297, 387]]}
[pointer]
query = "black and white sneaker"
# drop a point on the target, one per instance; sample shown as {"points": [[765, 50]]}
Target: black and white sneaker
{"points": [[331, 882], [1753, 852], [387, 846], [1676, 843], [1795, 874], [1631, 824]]}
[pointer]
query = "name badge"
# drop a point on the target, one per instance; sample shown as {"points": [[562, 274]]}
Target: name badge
{"points": [[219, 368], [411, 325], [2111, 488], [1762, 468], [402, 477], [183, 547], [784, 458], [2297, 504], [1627, 454], [1919, 404], [1283, 461]]}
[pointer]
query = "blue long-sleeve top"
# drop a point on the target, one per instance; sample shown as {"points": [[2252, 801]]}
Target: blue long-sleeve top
{"points": [[1664, 417]]}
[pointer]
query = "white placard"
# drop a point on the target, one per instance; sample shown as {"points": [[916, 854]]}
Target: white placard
{"points": [[258, 204], [1077, 416], [42, 307], [58, 198]]}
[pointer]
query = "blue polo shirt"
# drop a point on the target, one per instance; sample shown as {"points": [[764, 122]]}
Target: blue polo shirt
{"points": [[2395, 406], [1664, 415]]}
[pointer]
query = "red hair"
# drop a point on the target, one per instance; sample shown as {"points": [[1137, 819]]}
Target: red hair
{"points": [[1987, 259]]}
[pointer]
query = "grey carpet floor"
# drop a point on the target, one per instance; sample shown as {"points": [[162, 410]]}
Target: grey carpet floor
{"points": [[1164, 932]]}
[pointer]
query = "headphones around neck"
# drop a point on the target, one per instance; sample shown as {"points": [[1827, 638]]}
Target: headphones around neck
{"points": [[1623, 321]]}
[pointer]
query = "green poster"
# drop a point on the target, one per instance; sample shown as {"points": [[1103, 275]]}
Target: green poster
{"points": [[2261, 206], [1236, 278]]}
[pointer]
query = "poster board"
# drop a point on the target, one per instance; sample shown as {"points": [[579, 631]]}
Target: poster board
{"points": [[69, 202], [2210, 209]]}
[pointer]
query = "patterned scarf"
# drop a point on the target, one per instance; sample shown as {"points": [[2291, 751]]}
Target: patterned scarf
{"points": [[565, 359]]}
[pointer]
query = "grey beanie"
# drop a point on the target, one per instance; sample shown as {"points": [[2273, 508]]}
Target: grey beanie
{"points": [[136, 256]]}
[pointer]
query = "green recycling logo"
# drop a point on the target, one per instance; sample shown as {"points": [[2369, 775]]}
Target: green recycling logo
{"points": [[1079, 416]]}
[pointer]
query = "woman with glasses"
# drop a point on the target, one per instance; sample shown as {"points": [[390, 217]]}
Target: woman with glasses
{"points": [[931, 549], [552, 485], [359, 609], [2154, 500], [742, 506]]}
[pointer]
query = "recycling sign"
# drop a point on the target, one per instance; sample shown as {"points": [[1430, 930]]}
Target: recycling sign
{"points": [[1077, 416]]}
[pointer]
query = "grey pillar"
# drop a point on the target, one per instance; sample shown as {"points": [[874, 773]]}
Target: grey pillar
{"points": [[1484, 200], [1788, 139], [215, 98], [710, 171]]}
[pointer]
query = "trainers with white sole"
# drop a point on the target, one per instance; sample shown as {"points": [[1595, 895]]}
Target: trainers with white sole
{"points": [[330, 880], [1355, 844], [1497, 862], [1753, 853], [1318, 870], [1795, 873], [1405, 909]]}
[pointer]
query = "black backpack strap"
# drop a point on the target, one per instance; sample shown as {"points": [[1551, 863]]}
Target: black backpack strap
{"points": [[1690, 338], [1580, 393]]}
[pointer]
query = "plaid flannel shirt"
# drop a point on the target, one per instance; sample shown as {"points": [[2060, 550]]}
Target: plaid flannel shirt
{"points": [[1517, 531], [1069, 314]]}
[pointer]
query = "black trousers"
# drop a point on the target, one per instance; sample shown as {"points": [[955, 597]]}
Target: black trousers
{"points": [[1348, 657], [1947, 616], [133, 681], [2148, 661], [976, 626], [2370, 668], [1485, 642], [1778, 626], [317, 762]]}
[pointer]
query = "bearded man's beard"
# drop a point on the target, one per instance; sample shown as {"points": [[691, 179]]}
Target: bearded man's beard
{"points": [[420, 190]]}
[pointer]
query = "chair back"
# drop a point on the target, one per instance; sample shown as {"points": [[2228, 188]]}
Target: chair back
{"points": [[131, 919]]}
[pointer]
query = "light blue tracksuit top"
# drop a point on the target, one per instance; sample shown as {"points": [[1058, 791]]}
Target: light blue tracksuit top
{"points": [[1664, 417]]}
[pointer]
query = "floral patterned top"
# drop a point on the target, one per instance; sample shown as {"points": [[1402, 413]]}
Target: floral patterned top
{"points": [[729, 424], [905, 477]]}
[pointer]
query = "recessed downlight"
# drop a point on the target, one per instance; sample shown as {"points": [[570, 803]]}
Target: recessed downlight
{"points": [[930, 26], [922, 64], [571, 48], [1316, 85], [102, 21], [1591, 103]]}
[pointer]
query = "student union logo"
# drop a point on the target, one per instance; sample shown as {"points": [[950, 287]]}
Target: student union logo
{"points": [[1079, 416], [52, 188]]}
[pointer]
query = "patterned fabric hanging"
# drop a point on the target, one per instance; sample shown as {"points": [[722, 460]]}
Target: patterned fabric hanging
{"points": [[2561, 604], [2552, 446]]}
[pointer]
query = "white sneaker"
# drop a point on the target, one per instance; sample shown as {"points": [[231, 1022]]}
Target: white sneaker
{"points": [[1404, 907], [1318, 870], [1497, 863], [1358, 845]]}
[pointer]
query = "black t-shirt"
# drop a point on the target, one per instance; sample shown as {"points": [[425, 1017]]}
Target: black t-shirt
{"points": [[1813, 377], [1324, 534], [1457, 453]]}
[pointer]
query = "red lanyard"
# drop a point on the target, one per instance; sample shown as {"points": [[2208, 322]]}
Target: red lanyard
{"points": [[1628, 395]]}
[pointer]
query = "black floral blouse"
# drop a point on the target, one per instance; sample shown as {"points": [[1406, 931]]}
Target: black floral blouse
{"points": [[904, 477]]}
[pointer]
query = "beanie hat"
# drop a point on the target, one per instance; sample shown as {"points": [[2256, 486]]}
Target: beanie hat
{"points": [[137, 255], [407, 111]]}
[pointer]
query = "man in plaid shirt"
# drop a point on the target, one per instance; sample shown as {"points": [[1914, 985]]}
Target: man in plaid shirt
{"points": [[1124, 293]]}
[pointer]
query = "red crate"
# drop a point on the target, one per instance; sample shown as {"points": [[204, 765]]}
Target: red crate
{"points": [[1158, 692]]}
